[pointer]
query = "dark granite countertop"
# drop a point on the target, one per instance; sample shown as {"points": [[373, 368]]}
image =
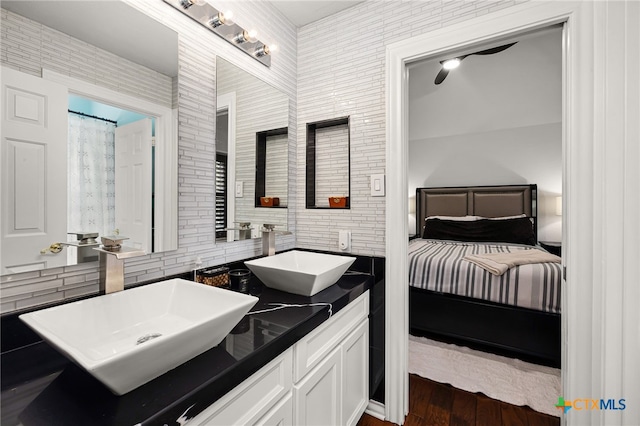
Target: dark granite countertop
{"points": [[41, 387]]}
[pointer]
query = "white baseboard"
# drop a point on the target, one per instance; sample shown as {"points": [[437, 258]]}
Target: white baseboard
{"points": [[375, 409]]}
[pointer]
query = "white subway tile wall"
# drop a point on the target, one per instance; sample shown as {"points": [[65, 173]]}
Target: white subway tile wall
{"points": [[341, 72], [29, 47], [332, 163], [277, 155]]}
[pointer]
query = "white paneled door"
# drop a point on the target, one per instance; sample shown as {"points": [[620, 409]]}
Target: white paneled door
{"points": [[33, 157], [133, 164]]}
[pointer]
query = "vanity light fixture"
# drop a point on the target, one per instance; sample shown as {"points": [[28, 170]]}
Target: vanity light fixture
{"points": [[220, 18], [263, 50], [246, 36], [186, 4], [222, 24]]}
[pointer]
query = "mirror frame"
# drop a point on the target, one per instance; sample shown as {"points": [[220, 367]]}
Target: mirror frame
{"points": [[166, 183]]}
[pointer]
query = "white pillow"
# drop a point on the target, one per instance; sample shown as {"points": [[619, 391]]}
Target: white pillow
{"points": [[474, 218], [518, 216], [458, 218]]}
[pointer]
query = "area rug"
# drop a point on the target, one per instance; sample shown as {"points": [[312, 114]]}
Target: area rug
{"points": [[510, 380]]}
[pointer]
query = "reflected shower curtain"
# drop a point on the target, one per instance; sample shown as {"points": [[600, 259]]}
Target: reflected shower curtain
{"points": [[91, 175]]}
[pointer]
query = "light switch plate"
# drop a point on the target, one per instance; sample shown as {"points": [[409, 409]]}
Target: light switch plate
{"points": [[239, 189], [377, 185]]}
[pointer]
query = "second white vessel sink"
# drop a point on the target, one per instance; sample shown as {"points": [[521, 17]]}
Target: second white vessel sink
{"points": [[300, 272], [128, 338]]}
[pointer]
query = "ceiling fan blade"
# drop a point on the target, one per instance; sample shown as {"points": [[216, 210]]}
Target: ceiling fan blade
{"points": [[494, 49], [441, 76]]}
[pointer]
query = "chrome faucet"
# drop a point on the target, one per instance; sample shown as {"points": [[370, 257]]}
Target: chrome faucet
{"points": [[269, 238], [112, 255]]}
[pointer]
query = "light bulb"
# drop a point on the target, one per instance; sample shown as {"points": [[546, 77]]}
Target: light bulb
{"points": [[221, 19], [450, 64], [245, 35], [228, 17]]}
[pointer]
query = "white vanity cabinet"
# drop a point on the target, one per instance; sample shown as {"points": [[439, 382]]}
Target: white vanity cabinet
{"points": [[331, 369], [322, 380]]}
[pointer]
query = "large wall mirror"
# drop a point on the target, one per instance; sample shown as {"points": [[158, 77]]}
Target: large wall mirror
{"points": [[115, 168], [251, 154]]}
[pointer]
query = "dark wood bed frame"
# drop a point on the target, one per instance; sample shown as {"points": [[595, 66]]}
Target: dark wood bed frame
{"points": [[524, 333]]}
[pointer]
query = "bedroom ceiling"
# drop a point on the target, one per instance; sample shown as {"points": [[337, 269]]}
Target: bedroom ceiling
{"points": [[518, 87]]}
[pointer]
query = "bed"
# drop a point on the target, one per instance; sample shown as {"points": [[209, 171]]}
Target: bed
{"points": [[517, 312]]}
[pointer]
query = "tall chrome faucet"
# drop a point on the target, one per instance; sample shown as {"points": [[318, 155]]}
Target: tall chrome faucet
{"points": [[112, 255], [269, 238]]}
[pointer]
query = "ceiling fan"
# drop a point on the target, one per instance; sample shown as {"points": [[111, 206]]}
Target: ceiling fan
{"points": [[449, 64]]}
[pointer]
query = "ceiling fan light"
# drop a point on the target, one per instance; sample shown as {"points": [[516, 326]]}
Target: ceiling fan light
{"points": [[450, 64]]}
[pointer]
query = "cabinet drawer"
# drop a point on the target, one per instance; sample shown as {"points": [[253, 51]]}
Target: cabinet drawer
{"points": [[310, 350], [253, 398]]}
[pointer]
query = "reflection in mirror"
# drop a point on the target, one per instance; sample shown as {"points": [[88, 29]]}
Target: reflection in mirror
{"points": [[117, 144], [271, 178], [246, 107]]}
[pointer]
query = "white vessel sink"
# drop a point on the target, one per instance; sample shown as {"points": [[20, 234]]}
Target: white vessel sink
{"points": [[300, 272], [128, 338]]}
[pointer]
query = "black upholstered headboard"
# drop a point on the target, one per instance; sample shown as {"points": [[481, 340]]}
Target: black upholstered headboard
{"points": [[486, 201]]}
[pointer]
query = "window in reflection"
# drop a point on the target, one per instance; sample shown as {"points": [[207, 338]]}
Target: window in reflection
{"points": [[271, 172], [222, 130]]}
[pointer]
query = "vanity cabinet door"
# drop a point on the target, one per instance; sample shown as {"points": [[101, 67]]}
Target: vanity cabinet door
{"points": [[355, 378], [317, 398]]}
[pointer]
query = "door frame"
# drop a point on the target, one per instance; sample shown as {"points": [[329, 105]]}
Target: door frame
{"points": [[166, 151], [514, 20]]}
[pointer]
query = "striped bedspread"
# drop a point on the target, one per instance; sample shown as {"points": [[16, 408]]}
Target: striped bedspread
{"points": [[438, 266]]}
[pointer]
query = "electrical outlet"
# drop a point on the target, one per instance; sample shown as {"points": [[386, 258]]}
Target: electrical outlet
{"points": [[344, 240]]}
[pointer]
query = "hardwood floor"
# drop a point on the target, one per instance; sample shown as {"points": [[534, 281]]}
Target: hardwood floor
{"points": [[436, 404]]}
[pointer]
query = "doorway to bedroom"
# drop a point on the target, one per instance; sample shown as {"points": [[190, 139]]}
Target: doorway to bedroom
{"points": [[494, 120]]}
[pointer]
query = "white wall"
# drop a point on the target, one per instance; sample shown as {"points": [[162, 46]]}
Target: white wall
{"points": [[195, 98], [501, 157]]}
